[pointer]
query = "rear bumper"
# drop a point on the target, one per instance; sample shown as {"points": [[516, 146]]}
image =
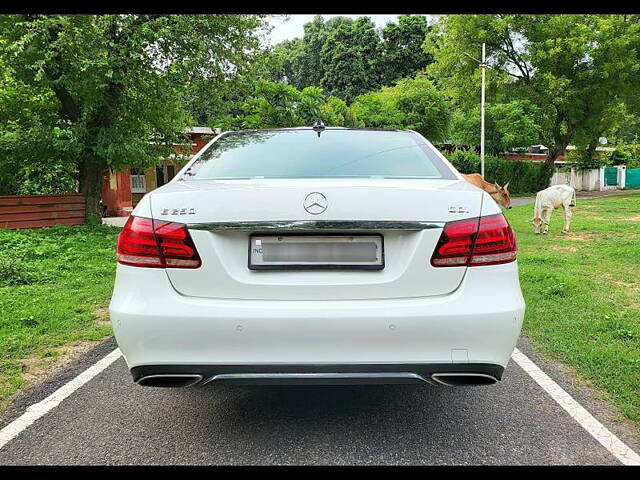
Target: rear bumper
{"points": [[473, 329], [417, 373]]}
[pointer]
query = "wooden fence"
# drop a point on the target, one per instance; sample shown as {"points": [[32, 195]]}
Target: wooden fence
{"points": [[33, 211]]}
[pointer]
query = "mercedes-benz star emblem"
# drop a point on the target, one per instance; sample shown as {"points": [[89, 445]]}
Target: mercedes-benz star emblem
{"points": [[315, 203]]}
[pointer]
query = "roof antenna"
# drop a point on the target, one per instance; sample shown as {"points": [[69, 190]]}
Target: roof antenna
{"points": [[318, 127]]}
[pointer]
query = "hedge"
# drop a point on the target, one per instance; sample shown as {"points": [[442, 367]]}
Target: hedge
{"points": [[523, 176]]}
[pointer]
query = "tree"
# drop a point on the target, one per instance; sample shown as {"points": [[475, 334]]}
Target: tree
{"points": [[425, 109], [350, 59], [627, 129], [403, 54], [335, 112], [273, 105], [298, 62], [567, 65], [119, 80], [31, 132], [413, 103], [377, 109], [316, 34], [276, 105], [287, 63], [507, 125]]}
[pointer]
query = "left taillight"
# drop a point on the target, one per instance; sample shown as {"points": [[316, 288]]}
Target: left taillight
{"points": [[473, 242], [144, 242]]}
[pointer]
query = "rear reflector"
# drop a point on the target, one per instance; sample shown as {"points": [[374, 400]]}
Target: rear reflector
{"points": [[144, 242], [475, 241]]}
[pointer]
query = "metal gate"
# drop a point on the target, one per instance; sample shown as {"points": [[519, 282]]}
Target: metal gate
{"points": [[610, 177], [632, 178]]}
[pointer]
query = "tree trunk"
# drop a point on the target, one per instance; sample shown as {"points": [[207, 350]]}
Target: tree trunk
{"points": [[590, 151], [554, 152], [91, 172], [560, 140]]}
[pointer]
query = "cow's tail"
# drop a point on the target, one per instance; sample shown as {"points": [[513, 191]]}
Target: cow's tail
{"points": [[573, 202]]}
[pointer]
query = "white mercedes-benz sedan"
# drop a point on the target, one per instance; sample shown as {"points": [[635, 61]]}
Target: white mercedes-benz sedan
{"points": [[317, 255]]}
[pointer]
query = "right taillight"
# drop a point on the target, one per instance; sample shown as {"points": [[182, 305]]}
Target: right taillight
{"points": [[476, 241], [144, 242]]}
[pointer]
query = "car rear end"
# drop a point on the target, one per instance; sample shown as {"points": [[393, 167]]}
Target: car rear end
{"points": [[367, 276]]}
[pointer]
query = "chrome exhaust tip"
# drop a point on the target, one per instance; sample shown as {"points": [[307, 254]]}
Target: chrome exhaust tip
{"points": [[169, 380], [463, 379]]}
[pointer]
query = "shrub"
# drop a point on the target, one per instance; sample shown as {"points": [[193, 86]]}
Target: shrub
{"points": [[628, 155], [523, 176], [47, 178], [13, 271], [508, 125], [413, 103], [583, 160]]}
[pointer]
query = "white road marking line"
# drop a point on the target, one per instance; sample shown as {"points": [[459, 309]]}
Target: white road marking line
{"points": [[598, 431], [37, 410]]}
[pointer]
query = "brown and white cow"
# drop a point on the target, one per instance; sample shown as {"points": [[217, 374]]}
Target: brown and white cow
{"points": [[499, 194]]}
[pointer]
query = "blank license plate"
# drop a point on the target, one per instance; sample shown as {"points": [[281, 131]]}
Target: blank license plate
{"points": [[316, 251]]}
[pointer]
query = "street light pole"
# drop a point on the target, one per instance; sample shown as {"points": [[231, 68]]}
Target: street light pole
{"points": [[483, 65]]}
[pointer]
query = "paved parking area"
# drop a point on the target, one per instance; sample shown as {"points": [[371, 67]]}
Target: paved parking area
{"points": [[110, 420]]}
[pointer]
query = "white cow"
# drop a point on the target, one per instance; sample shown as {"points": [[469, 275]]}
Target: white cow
{"points": [[547, 200]]}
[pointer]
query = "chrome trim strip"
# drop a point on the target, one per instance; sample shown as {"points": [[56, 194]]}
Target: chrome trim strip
{"points": [[366, 225], [436, 378], [322, 376], [196, 377]]}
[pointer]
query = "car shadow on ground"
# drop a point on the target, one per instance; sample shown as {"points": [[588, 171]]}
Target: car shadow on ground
{"points": [[374, 423]]}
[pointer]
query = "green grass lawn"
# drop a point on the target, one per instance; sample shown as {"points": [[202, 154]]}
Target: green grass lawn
{"points": [[55, 285], [583, 293]]}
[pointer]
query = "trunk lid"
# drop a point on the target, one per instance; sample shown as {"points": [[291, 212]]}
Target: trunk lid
{"points": [[224, 253]]}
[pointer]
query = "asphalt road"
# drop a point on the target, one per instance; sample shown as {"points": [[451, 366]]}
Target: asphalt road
{"points": [[110, 420]]}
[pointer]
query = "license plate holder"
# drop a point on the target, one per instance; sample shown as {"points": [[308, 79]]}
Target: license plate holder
{"points": [[301, 251]]}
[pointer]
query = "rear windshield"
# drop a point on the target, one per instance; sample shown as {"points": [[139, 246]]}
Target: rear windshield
{"points": [[305, 154]]}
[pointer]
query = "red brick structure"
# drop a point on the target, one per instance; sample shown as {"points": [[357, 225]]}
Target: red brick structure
{"points": [[122, 190], [532, 157], [116, 193]]}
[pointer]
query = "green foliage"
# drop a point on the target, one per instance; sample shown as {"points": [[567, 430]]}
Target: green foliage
{"points": [[523, 176], [377, 110], [109, 83], [12, 271], [413, 103], [48, 179], [586, 159], [33, 140], [272, 106], [507, 125], [349, 57], [403, 55], [626, 130], [425, 109], [276, 105], [628, 155], [300, 59], [309, 107], [351, 60], [576, 69], [335, 112]]}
